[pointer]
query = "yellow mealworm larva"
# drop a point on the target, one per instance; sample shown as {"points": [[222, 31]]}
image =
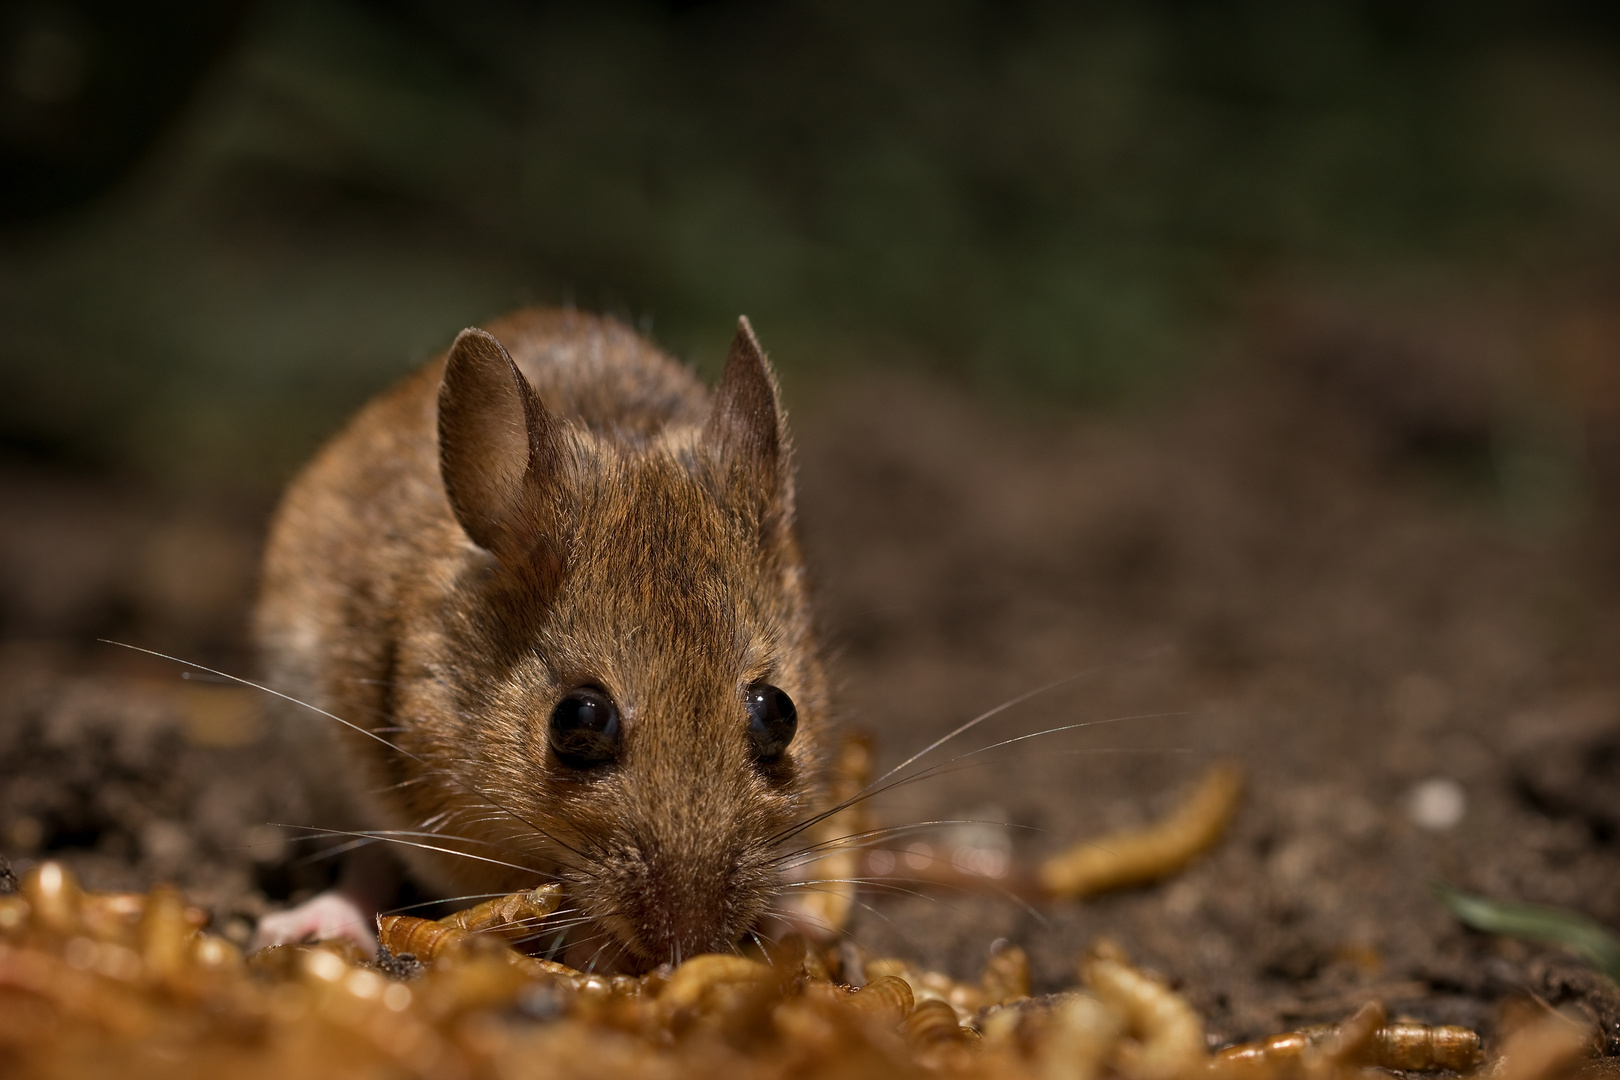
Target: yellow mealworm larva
{"points": [[1002, 1028], [481, 982], [1079, 1038], [879, 966], [548, 970], [15, 914], [164, 934], [689, 983], [54, 897], [1006, 975], [485, 926], [145, 985], [211, 953], [112, 916], [1278, 1057], [1355, 1037], [1403, 1046], [827, 907], [514, 916], [426, 939], [106, 1004], [1139, 856], [1169, 1034], [931, 1023], [887, 998], [1421, 1048], [966, 999], [791, 953], [1544, 1049]]}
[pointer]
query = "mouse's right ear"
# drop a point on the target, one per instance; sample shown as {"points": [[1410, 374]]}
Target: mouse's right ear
{"points": [[498, 454]]}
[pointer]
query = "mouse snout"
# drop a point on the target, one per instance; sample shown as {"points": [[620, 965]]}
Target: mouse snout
{"points": [[667, 893], [686, 861], [681, 910], [680, 905]]}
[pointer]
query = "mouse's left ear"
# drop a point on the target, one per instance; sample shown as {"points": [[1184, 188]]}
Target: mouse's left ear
{"points": [[746, 433]]}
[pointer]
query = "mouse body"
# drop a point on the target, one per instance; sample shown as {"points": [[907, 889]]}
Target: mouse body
{"points": [[551, 586]]}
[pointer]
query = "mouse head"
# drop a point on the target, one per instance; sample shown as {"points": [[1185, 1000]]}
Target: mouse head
{"points": [[627, 668]]}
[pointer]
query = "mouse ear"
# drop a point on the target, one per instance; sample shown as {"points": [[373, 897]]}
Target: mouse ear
{"points": [[497, 452], [745, 430]]}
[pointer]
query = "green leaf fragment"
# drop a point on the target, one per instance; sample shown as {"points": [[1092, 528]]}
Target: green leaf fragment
{"points": [[1586, 937]]}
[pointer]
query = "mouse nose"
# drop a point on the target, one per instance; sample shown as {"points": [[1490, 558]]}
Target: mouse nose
{"points": [[684, 910]]}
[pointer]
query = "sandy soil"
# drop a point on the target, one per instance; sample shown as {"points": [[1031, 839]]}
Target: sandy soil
{"points": [[1255, 572]]}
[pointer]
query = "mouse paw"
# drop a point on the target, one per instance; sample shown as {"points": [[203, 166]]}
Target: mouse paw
{"points": [[320, 918]]}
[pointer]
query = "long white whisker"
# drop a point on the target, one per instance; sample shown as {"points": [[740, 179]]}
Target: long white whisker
{"points": [[961, 764], [943, 739], [313, 831], [846, 843], [590, 968], [348, 724], [787, 915], [872, 790], [943, 767], [876, 883], [858, 902], [981, 718]]}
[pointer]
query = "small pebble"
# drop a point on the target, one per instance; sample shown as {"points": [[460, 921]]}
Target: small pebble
{"points": [[542, 1002], [1438, 804]]}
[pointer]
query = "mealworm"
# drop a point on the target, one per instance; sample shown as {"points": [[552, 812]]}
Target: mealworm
{"points": [[1139, 856], [887, 998], [1169, 1035]]}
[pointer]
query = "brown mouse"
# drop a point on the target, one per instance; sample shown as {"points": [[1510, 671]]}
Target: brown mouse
{"points": [[554, 586]]}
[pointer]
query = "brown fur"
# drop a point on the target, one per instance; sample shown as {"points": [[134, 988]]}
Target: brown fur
{"points": [[608, 524]]}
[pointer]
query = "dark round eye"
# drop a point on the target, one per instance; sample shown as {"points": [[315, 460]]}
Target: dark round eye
{"points": [[585, 728], [772, 720]]}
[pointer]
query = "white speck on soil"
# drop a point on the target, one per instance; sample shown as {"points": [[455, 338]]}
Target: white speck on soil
{"points": [[1438, 804]]}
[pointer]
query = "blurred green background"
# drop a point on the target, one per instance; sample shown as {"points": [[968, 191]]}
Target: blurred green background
{"points": [[227, 224]]}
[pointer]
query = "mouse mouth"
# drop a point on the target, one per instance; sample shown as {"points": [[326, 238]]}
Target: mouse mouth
{"points": [[651, 915], [606, 949], [610, 947]]}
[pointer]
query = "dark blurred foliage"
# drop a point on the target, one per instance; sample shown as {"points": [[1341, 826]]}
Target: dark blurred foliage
{"points": [[89, 87], [227, 224]]}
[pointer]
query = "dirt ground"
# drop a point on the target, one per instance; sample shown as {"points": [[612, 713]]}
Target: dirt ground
{"points": [[1255, 571]]}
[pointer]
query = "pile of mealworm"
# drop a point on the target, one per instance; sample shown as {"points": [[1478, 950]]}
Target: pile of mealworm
{"points": [[92, 983]]}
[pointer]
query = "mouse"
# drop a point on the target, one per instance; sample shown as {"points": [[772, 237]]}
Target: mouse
{"points": [[546, 609]]}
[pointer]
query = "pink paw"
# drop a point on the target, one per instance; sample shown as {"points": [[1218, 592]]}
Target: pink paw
{"points": [[320, 918]]}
